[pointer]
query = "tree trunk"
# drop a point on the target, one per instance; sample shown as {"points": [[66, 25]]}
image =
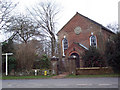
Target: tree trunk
{"points": [[53, 43]]}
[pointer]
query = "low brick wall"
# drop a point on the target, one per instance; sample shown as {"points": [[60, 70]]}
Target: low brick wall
{"points": [[94, 71]]}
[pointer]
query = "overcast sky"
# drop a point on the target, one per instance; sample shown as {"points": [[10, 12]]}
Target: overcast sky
{"points": [[101, 11]]}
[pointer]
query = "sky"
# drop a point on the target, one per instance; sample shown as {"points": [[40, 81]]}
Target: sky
{"points": [[101, 11]]}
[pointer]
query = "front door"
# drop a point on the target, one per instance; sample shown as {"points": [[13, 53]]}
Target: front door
{"points": [[77, 62]]}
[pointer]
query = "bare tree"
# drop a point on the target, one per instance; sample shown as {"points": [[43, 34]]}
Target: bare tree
{"points": [[113, 27], [23, 28], [6, 8], [45, 15], [42, 46], [38, 45]]}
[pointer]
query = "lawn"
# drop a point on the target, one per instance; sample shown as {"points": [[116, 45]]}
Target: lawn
{"points": [[25, 77], [46, 77], [88, 76]]}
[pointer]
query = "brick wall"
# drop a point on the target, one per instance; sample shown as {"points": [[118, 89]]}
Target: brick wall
{"points": [[94, 71], [87, 27]]}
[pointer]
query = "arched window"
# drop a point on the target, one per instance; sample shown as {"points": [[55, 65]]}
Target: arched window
{"points": [[64, 45], [93, 41]]}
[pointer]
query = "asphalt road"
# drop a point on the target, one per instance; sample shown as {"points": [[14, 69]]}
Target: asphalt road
{"points": [[62, 83]]}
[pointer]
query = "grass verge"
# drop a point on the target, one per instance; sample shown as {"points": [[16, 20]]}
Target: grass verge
{"points": [[46, 77], [88, 76], [25, 77]]}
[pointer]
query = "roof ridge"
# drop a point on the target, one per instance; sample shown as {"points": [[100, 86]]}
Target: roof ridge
{"points": [[96, 23], [67, 23], [103, 27]]}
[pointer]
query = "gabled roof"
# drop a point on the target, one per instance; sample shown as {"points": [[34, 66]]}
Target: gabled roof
{"points": [[103, 27], [73, 45], [82, 46], [77, 45]]}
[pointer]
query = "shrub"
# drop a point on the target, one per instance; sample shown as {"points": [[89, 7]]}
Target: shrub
{"points": [[112, 52], [42, 63], [11, 63], [92, 58]]}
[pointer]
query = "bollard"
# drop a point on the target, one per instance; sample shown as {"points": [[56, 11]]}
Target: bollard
{"points": [[35, 72], [45, 73]]}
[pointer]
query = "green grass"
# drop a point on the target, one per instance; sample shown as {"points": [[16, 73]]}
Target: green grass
{"points": [[85, 76], [25, 77], [46, 77]]}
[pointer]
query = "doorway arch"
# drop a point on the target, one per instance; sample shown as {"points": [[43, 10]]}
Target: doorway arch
{"points": [[77, 62]]}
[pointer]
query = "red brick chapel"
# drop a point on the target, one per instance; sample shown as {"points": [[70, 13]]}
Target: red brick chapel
{"points": [[78, 34]]}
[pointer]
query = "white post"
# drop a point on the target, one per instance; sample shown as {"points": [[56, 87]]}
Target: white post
{"points": [[35, 72], [6, 64], [6, 54], [63, 47]]}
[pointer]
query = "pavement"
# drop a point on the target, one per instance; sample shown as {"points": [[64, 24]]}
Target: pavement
{"points": [[107, 82], [60, 76]]}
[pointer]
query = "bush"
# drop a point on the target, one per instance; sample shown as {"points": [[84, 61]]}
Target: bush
{"points": [[112, 52], [92, 58], [25, 56], [43, 63], [12, 63]]}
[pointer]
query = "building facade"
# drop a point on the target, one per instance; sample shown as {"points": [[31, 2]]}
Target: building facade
{"points": [[79, 34]]}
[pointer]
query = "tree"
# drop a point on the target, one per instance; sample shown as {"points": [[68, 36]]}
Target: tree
{"points": [[113, 27], [8, 46], [23, 28], [45, 15], [39, 47], [112, 52], [92, 58], [25, 56], [6, 8]]}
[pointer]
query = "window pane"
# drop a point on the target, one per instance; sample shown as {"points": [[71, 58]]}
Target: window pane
{"points": [[65, 44], [93, 41]]}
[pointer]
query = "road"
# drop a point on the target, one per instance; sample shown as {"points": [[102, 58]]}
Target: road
{"points": [[62, 83]]}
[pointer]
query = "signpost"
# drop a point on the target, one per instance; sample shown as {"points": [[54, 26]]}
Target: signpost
{"points": [[6, 54]]}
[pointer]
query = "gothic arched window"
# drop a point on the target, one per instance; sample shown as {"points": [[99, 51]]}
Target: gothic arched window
{"points": [[64, 45], [93, 41]]}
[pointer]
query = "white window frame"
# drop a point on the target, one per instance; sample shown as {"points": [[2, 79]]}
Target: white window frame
{"points": [[95, 38], [63, 49]]}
